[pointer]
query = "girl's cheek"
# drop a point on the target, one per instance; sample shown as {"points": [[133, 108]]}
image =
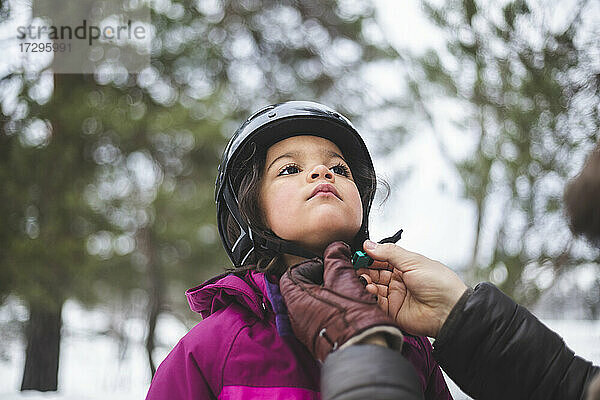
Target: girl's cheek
{"points": [[277, 202], [283, 194], [357, 204]]}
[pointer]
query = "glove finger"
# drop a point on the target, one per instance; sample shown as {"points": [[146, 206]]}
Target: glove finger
{"points": [[310, 272], [339, 274]]}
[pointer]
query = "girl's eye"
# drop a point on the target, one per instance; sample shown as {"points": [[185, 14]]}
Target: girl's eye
{"points": [[341, 169], [289, 169]]}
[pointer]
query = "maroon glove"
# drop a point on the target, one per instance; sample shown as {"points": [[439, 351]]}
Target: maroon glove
{"points": [[329, 307]]}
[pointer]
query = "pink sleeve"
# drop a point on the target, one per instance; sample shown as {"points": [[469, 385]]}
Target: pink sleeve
{"points": [[179, 378]]}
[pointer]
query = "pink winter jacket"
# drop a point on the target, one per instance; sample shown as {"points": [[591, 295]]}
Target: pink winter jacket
{"points": [[244, 349]]}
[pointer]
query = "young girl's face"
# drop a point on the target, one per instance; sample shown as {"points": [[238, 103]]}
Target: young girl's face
{"points": [[308, 194]]}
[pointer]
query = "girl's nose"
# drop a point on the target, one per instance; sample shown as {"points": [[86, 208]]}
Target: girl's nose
{"points": [[321, 172]]}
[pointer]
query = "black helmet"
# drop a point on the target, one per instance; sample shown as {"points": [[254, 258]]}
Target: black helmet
{"points": [[265, 127]]}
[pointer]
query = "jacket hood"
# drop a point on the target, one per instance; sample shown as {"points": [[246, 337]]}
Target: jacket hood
{"points": [[219, 292]]}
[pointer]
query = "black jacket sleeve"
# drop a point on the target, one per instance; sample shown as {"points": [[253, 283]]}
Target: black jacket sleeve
{"points": [[369, 372], [495, 349]]}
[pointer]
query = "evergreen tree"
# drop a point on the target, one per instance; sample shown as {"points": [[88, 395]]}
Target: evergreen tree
{"points": [[111, 176], [530, 95]]}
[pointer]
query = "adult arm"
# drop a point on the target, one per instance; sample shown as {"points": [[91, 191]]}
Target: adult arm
{"points": [[489, 345], [368, 372], [494, 348]]}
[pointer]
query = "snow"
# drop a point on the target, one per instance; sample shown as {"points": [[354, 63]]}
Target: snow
{"points": [[95, 366], [91, 365]]}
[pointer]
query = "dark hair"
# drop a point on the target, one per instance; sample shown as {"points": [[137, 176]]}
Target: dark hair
{"points": [[247, 177], [581, 199]]}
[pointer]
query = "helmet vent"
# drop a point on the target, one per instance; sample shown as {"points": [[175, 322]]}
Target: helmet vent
{"points": [[261, 111]]}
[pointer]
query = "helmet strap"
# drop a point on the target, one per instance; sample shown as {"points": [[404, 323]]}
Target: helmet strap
{"points": [[267, 241]]}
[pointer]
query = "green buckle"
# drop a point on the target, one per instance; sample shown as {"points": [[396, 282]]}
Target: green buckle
{"points": [[361, 260]]}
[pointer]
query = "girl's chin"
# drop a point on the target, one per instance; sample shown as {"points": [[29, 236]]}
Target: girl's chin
{"points": [[320, 230], [320, 242]]}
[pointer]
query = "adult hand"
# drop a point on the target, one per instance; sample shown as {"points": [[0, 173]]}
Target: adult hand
{"points": [[416, 291]]}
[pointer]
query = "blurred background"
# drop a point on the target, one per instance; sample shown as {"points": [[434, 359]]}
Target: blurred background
{"points": [[476, 112]]}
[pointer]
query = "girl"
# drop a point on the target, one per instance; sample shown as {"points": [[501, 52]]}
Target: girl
{"points": [[294, 178]]}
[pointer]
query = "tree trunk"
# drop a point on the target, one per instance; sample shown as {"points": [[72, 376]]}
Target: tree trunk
{"points": [[153, 311], [478, 226], [155, 291], [43, 347]]}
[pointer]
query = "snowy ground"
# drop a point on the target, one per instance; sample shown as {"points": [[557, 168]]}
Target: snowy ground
{"points": [[94, 367]]}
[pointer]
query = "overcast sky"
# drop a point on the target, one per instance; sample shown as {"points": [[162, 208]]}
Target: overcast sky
{"points": [[436, 221]]}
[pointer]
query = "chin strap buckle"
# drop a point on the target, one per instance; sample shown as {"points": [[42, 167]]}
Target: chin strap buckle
{"points": [[360, 259]]}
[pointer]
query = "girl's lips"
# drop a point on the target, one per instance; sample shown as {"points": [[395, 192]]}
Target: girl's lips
{"points": [[324, 189], [324, 194]]}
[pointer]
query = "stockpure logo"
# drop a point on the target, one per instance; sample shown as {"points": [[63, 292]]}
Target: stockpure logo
{"points": [[83, 31], [86, 37]]}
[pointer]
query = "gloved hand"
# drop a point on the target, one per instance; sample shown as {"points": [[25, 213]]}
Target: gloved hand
{"points": [[329, 307]]}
